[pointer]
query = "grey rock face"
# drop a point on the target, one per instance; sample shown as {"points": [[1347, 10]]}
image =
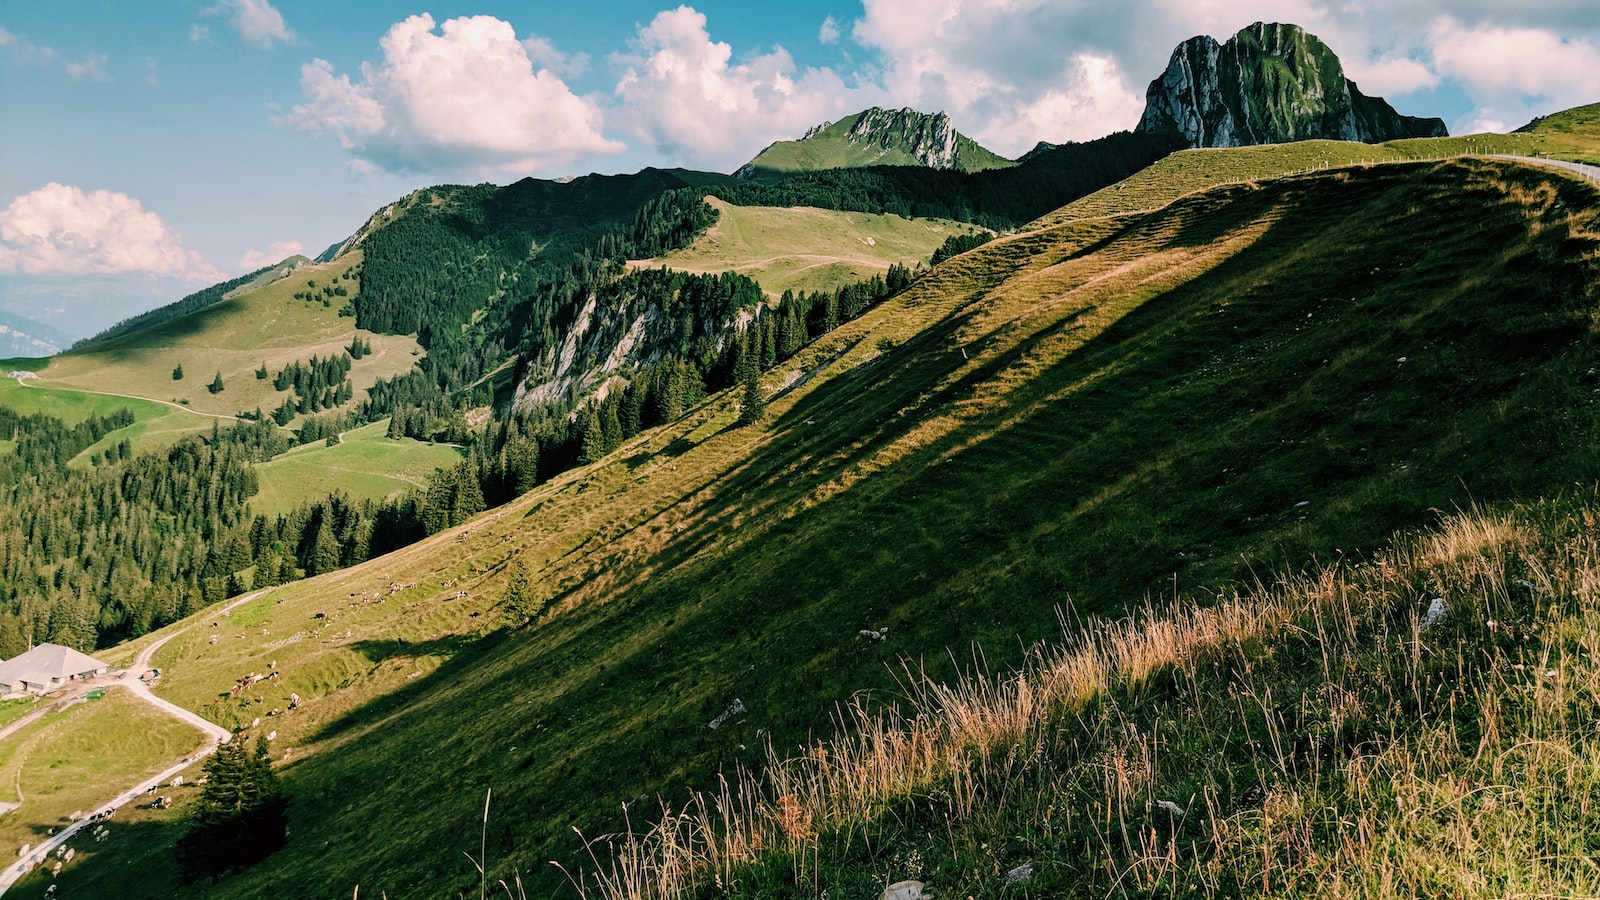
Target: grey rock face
{"points": [[1269, 83], [930, 139]]}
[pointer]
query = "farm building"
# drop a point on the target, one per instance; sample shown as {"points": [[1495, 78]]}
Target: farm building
{"points": [[46, 667]]}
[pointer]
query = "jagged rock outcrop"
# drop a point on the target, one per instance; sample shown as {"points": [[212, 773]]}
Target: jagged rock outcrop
{"points": [[876, 136], [1270, 83], [929, 139]]}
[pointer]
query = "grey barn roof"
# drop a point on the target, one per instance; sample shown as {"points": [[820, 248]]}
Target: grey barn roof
{"points": [[45, 666]]}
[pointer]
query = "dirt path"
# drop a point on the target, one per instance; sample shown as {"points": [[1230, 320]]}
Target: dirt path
{"points": [[214, 733], [25, 382], [1587, 171]]}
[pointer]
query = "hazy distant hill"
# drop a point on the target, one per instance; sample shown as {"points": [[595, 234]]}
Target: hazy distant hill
{"points": [[25, 337], [1268, 84], [875, 137]]}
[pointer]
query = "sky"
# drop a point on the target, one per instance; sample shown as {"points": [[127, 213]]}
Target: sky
{"points": [[150, 149]]}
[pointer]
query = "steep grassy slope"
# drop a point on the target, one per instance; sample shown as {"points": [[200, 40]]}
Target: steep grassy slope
{"points": [[1577, 128], [1243, 382], [1195, 170], [233, 337], [808, 249], [1345, 732]]}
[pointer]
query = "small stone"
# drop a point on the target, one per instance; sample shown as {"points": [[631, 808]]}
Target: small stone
{"points": [[903, 890], [1019, 874]]}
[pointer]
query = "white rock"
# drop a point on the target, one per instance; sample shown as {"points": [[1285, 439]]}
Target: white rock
{"points": [[902, 890], [1019, 874], [1436, 611]]}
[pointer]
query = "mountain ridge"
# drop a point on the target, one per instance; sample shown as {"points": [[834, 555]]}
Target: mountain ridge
{"points": [[874, 136]]}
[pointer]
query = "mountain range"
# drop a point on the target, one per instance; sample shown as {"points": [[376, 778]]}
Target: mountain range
{"points": [[551, 528]]}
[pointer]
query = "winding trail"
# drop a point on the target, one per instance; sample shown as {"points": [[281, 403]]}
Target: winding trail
{"points": [[60, 386], [1587, 171], [214, 733]]}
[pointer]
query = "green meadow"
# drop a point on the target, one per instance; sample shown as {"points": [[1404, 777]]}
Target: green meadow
{"points": [[364, 464]]}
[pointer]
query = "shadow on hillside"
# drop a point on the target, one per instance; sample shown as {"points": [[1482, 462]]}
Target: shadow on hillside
{"points": [[458, 652], [1174, 448], [103, 868], [445, 647]]}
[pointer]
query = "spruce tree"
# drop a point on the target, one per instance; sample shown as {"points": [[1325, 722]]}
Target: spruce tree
{"points": [[324, 555], [177, 372], [593, 447], [522, 600], [215, 386], [240, 819], [754, 403]]}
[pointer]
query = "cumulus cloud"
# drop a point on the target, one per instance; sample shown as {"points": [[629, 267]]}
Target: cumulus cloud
{"points": [[1009, 72], [257, 21], [544, 55], [1524, 62], [829, 32], [682, 92], [275, 252], [61, 229], [1394, 75], [464, 97]]}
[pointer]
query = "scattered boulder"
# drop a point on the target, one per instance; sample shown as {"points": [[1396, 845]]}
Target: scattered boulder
{"points": [[903, 890], [1019, 875], [1436, 611], [736, 708]]}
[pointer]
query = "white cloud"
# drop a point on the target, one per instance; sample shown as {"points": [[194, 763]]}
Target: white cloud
{"points": [[829, 32], [275, 252], [93, 68], [257, 22], [1009, 72], [23, 51], [60, 229], [1092, 101], [1390, 76], [1513, 74], [467, 98], [544, 55], [198, 32], [681, 91], [1525, 62]]}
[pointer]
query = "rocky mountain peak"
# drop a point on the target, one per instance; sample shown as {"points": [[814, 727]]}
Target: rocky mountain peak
{"points": [[1270, 83], [929, 138]]}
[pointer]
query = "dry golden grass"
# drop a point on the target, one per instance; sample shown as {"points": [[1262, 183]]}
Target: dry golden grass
{"points": [[1455, 804]]}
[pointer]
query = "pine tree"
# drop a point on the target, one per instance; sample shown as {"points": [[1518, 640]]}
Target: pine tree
{"points": [[177, 372], [523, 600], [522, 464], [215, 386], [594, 442], [261, 373], [239, 819], [324, 556], [754, 403]]}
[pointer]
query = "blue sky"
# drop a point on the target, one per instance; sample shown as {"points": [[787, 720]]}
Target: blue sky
{"points": [[152, 148]]}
